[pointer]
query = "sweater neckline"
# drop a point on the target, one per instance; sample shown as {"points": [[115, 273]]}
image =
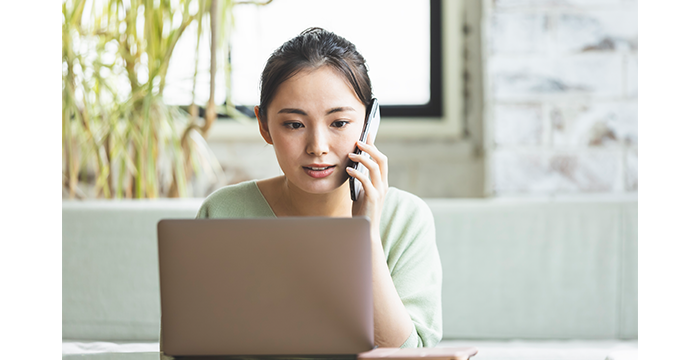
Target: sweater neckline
{"points": [[267, 204]]}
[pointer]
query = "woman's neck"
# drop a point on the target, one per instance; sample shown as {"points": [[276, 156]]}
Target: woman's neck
{"points": [[288, 200]]}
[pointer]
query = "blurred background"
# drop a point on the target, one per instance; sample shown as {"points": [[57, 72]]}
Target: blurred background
{"points": [[479, 98], [515, 120]]}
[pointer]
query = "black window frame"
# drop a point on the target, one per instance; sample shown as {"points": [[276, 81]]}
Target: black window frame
{"points": [[434, 107]]}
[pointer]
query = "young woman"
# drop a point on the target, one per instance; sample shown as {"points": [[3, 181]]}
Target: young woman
{"points": [[315, 92]]}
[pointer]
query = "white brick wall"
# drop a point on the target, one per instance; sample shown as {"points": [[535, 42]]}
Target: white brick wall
{"points": [[583, 123], [596, 75], [518, 124], [532, 170], [518, 33], [560, 96], [631, 167]]}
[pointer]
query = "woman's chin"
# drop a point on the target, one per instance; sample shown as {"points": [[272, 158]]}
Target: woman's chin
{"points": [[323, 186]]}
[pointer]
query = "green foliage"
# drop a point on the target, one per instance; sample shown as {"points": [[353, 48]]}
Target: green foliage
{"points": [[129, 143]]}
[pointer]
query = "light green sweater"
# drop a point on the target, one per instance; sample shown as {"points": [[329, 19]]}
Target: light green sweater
{"points": [[408, 238]]}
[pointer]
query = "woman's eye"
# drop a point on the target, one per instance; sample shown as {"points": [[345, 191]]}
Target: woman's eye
{"points": [[340, 123], [294, 125]]}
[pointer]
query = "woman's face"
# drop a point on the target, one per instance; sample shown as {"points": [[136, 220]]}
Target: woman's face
{"points": [[313, 122]]}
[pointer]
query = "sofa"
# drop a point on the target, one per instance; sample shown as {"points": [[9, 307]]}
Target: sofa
{"points": [[527, 278]]}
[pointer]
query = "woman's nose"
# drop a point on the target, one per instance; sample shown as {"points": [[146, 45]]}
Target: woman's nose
{"points": [[317, 143]]}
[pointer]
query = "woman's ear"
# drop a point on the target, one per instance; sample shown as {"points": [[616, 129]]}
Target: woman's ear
{"points": [[262, 125]]}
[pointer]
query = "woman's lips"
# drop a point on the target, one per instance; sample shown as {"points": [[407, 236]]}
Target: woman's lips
{"points": [[327, 170]]}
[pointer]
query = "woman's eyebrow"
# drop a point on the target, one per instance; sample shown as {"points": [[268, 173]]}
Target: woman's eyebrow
{"points": [[339, 109], [292, 111], [302, 112]]}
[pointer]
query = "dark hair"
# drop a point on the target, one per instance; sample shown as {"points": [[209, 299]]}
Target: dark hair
{"points": [[313, 48]]}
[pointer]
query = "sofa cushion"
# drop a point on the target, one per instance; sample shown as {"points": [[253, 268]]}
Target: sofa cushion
{"points": [[110, 267]]}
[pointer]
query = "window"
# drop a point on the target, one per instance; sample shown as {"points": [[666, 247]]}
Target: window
{"points": [[401, 41], [430, 106]]}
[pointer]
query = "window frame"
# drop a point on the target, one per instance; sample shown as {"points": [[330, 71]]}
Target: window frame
{"points": [[434, 107]]}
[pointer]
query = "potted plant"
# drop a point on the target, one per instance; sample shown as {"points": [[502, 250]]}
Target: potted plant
{"points": [[120, 139]]}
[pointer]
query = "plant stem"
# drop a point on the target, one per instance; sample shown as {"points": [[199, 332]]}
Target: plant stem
{"points": [[210, 114]]}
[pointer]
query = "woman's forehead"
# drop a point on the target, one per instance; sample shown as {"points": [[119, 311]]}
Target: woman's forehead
{"points": [[322, 86]]}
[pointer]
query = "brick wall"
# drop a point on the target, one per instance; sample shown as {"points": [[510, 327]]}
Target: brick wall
{"points": [[560, 111]]}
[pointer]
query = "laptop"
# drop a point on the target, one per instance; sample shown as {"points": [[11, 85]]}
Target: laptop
{"points": [[292, 287]]}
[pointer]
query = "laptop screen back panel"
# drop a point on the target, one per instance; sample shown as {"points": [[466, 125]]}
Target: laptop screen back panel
{"points": [[287, 286]]}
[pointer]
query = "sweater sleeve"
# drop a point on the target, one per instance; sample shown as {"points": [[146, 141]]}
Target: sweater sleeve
{"points": [[414, 264]]}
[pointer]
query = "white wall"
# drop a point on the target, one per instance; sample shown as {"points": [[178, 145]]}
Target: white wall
{"points": [[561, 96]]}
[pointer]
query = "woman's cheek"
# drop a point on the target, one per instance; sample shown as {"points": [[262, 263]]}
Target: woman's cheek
{"points": [[286, 155]]}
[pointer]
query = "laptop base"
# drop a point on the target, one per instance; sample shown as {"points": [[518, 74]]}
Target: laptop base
{"points": [[267, 357]]}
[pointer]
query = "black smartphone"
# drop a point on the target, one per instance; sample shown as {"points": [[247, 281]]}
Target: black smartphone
{"points": [[370, 129]]}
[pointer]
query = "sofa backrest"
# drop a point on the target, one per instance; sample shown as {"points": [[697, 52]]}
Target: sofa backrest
{"points": [[537, 269], [511, 268], [110, 267]]}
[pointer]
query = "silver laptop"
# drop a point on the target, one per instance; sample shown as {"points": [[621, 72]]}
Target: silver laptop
{"points": [[282, 286]]}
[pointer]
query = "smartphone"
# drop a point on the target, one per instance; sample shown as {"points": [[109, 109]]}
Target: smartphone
{"points": [[370, 129], [448, 353]]}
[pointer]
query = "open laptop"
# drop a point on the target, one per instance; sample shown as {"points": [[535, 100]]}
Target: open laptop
{"points": [[297, 286]]}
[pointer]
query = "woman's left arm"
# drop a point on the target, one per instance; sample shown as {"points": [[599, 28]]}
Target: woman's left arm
{"points": [[392, 322]]}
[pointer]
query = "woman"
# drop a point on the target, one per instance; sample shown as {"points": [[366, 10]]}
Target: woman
{"points": [[315, 92]]}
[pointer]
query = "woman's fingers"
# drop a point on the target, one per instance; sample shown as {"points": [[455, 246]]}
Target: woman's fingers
{"points": [[378, 157], [370, 190], [375, 173]]}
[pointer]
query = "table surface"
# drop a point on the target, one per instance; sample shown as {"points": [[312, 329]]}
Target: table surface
{"points": [[488, 350]]}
